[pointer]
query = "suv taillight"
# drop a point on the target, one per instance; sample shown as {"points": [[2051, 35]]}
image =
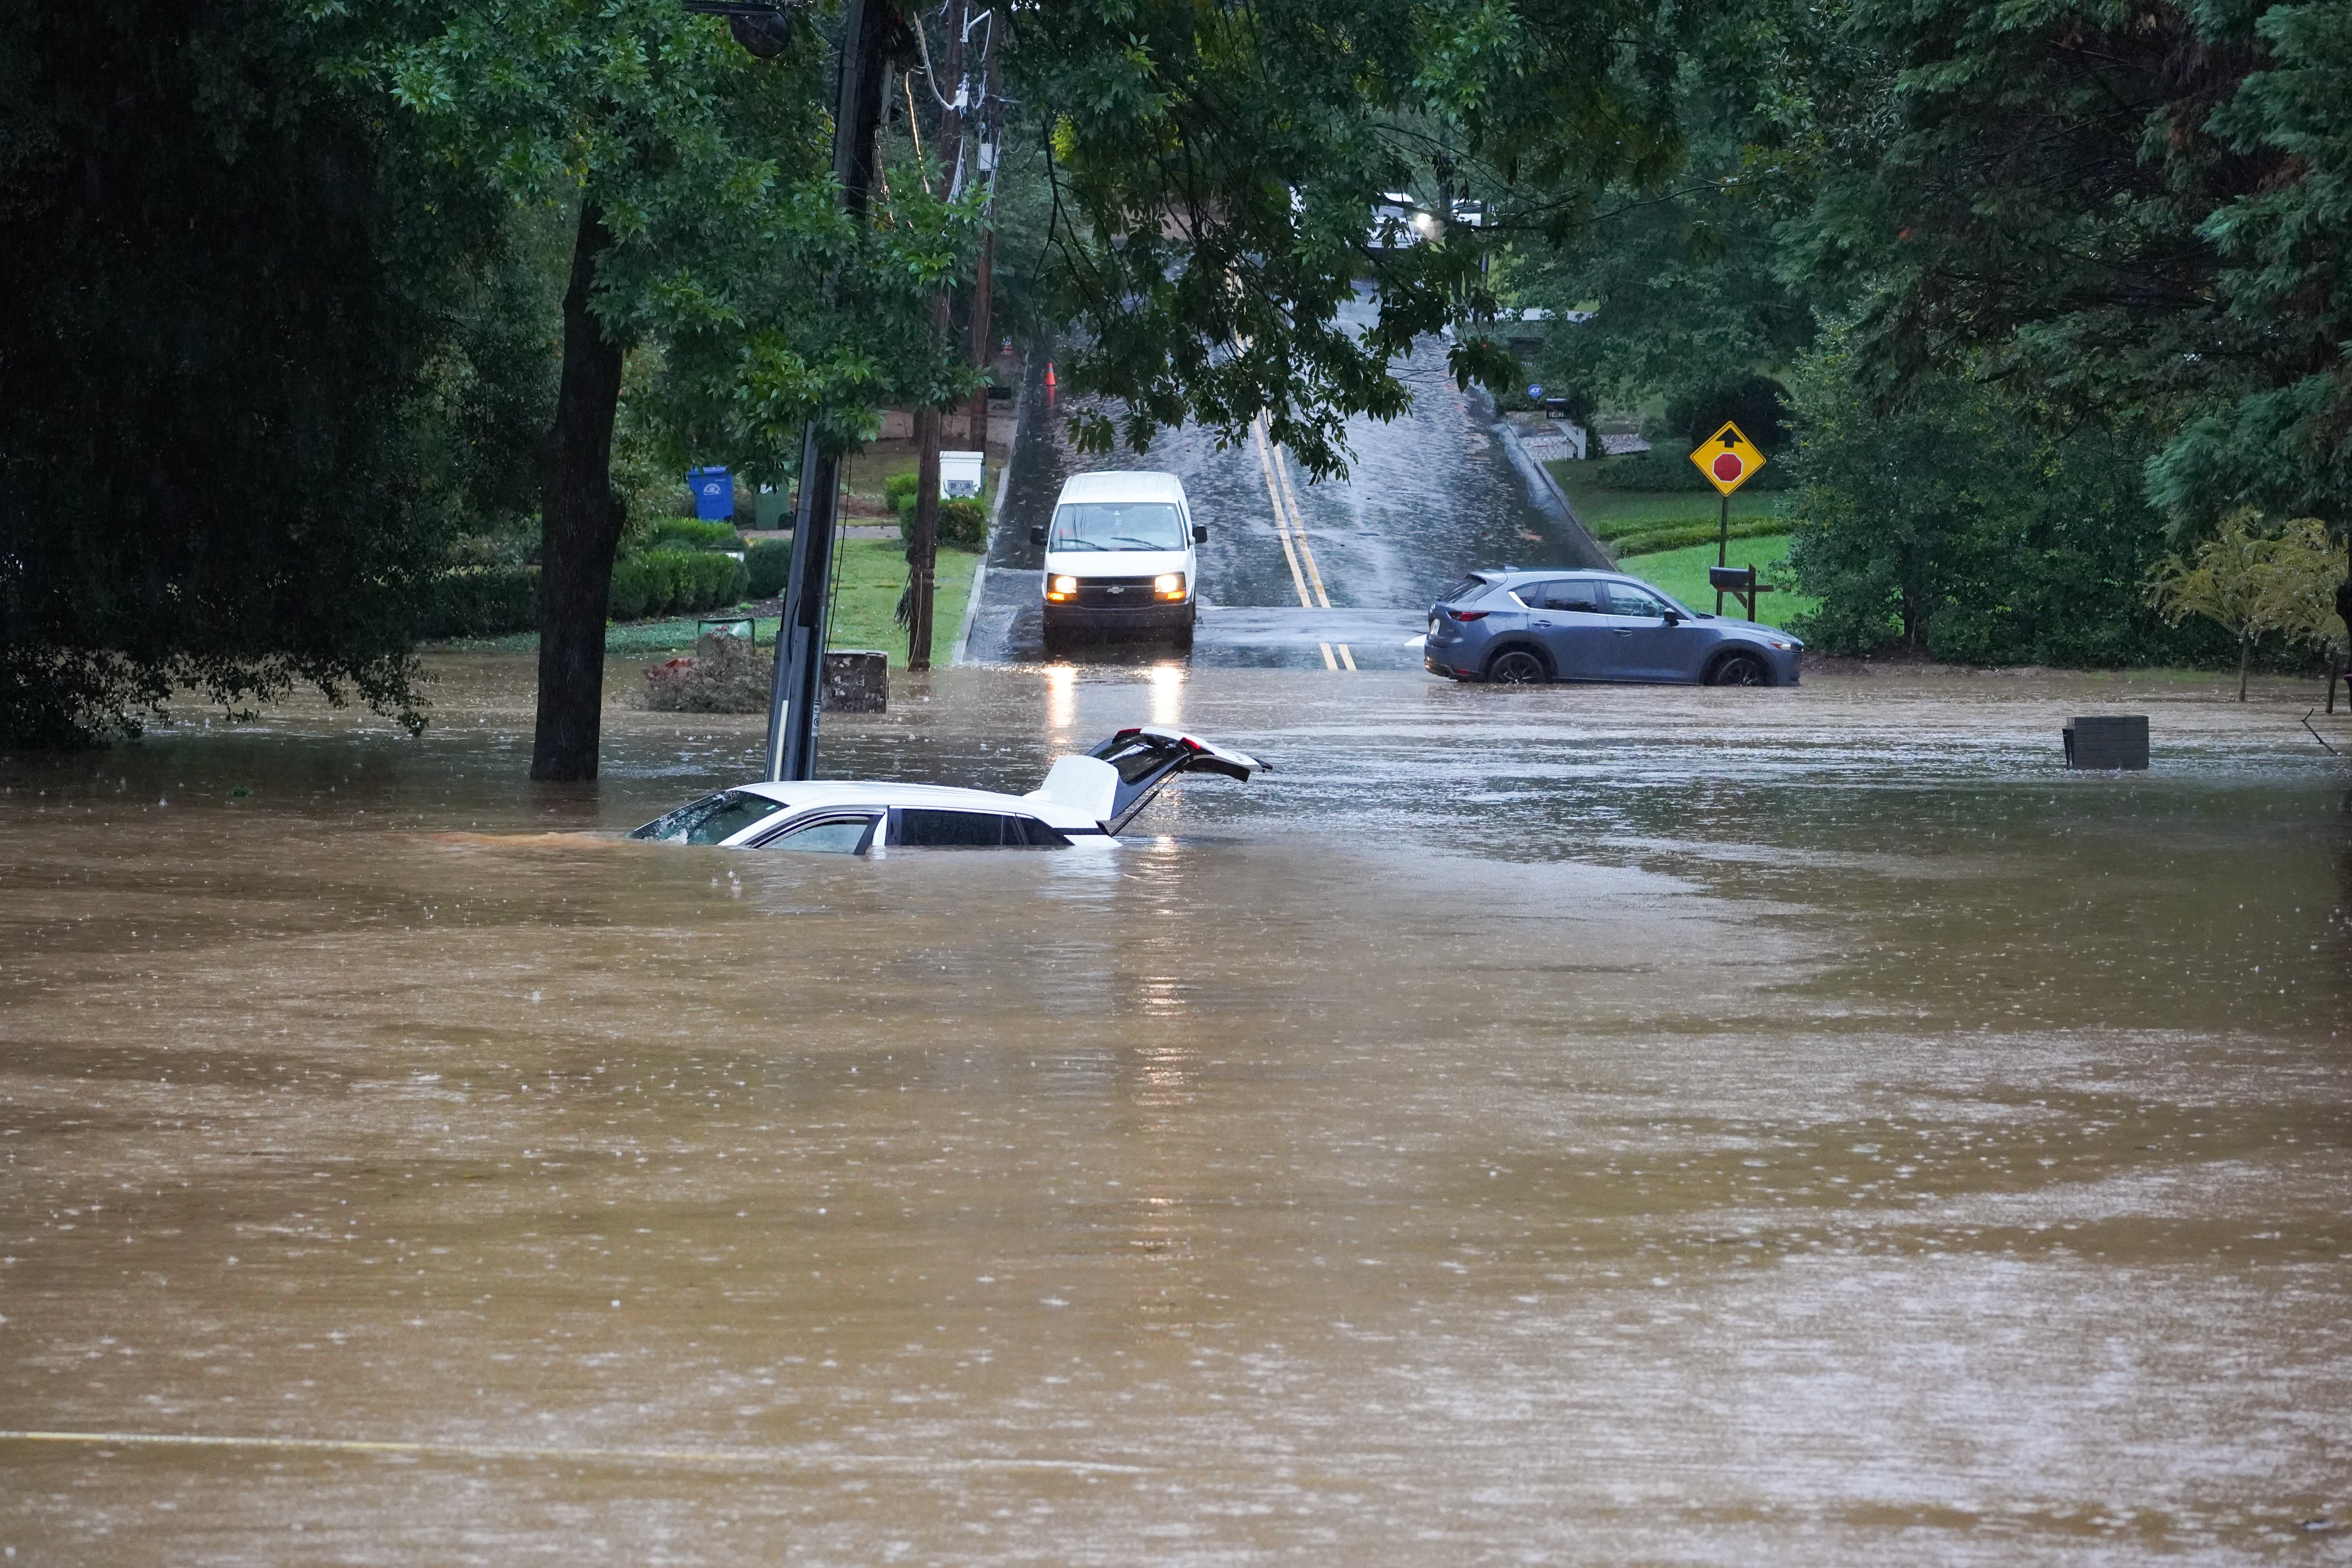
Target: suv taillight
{"points": [[1469, 615]]}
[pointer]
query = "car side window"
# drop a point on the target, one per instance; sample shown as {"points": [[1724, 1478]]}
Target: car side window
{"points": [[826, 836], [1564, 594], [920, 827], [1624, 599], [1036, 835]]}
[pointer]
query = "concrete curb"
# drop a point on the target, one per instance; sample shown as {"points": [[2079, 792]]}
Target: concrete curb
{"points": [[1520, 457], [995, 515]]}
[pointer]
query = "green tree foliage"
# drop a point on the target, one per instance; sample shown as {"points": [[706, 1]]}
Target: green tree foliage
{"points": [[2285, 245], [2251, 579], [230, 409], [1215, 168], [1683, 286], [1959, 525], [2136, 210], [705, 222]]}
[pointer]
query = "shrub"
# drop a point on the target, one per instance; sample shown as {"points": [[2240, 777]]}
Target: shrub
{"points": [[963, 523], [898, 492], [633, 584], [768, 568], [691, 534], [710, 580], [481, 602]]}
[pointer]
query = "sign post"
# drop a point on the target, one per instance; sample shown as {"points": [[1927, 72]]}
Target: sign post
{"points": [[1728, 459]]}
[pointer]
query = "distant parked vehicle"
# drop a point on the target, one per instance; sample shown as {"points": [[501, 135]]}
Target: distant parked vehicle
{"points": [[1523, 628]]}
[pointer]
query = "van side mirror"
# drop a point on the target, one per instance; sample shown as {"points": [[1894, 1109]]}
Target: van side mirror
{"points": [[1200, 534], [1038, 534]]}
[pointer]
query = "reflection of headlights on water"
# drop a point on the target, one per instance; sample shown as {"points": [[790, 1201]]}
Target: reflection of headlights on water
{"points": [[1169, 585], [1061, 587]]}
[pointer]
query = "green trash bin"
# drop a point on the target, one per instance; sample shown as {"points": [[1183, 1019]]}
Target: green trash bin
{"points": [[771, 509]]}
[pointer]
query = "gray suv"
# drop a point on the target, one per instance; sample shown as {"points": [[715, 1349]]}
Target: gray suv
{"points": [[1519, 628]]}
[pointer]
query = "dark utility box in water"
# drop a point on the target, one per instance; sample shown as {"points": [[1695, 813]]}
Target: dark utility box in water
{"points": [[856, 680], [2113, 740]]}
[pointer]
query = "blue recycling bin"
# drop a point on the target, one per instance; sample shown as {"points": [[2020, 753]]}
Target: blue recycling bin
{"points": [[714, 493]]}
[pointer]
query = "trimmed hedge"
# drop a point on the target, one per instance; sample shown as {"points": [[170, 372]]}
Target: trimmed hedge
{"points": [[691, 534], [1657, 470], [493, 600], [768, 567], [1675, 536], [482, 602], [674, 583]]}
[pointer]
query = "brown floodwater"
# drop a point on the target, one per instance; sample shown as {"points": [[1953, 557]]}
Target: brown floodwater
{"points": [[1580, 1126]]}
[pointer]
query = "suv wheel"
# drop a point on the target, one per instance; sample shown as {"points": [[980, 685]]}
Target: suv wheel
{"points": [[1517, 667], [1739, 669]]}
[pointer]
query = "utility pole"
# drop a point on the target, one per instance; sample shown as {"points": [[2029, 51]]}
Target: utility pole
{"points": [[990, 144], [923, 549], [866, 27]]}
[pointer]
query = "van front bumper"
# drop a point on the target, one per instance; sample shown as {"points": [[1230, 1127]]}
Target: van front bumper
{"points": [[1145, 616]]}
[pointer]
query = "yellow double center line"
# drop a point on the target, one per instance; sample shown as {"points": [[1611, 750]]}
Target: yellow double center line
{"points": [[1290, 527]]}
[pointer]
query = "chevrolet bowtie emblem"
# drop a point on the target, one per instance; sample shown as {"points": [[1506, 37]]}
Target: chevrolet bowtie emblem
{"points": [[1114, 590]]}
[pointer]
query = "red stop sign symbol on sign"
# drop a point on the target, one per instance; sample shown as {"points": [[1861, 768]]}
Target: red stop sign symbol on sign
{"points": [[1729, 466]]}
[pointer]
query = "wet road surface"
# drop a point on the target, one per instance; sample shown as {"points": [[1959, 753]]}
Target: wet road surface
{"points": [[1568, 1125], [1429, 497]]}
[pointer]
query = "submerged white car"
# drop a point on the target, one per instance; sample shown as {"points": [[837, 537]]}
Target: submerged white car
{"points": [[1084, 797]]}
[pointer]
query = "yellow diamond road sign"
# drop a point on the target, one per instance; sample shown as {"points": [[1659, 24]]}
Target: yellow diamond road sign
{"points": [[1728, 458]]}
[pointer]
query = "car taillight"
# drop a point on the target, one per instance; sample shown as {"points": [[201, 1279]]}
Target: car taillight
{"points": [[1469, 615]]}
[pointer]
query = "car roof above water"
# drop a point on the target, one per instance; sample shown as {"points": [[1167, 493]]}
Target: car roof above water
{"points": [[802, 796], [1123, 485]]}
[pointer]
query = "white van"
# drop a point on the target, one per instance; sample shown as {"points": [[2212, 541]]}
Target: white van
{"points": [[1118, 556]]}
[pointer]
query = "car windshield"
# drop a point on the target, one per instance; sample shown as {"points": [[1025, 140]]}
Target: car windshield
{"points": [[713, 819], [1117, 525]]}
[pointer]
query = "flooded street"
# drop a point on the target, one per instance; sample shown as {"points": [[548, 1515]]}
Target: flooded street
{"points": [[1568, 1125]]}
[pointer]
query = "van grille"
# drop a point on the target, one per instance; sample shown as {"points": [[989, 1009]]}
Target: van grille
{"points": [[1113, 592]]}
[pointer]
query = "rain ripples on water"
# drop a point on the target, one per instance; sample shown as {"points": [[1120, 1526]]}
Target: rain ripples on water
{"points": [[1568, 1125]]}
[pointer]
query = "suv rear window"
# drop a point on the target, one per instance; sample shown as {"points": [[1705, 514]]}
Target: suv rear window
{"points": [[1473, 583]]}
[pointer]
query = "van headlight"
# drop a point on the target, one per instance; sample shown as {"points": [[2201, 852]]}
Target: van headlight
{"points": [[1061, 587], [1169, 585]]}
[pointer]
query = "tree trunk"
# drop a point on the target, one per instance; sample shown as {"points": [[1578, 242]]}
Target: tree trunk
{"points": [[2245, 653], [579, 528]]}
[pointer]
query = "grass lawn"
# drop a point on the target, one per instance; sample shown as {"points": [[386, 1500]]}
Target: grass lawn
{"points": [[870, 574], [1683, 574], [1610, 513]]}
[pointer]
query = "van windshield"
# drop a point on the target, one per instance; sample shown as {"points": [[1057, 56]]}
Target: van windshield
{"points": [[1117, 525]]}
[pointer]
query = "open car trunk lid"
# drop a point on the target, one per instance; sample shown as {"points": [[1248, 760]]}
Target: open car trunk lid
{"points": [[1118, 778]]}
